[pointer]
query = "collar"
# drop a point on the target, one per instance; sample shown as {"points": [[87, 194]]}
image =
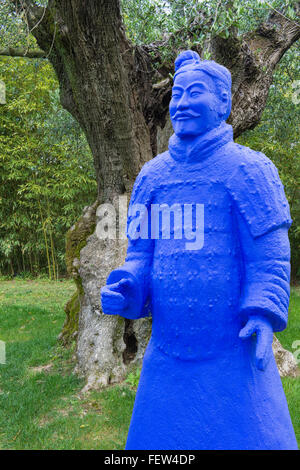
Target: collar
{"points": [[204, 146]]}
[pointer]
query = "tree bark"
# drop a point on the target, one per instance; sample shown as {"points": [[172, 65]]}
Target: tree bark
{"points": [[120, 100]]}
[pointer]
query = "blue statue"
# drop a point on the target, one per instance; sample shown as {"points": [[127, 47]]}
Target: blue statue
{"points": [[208, 255]]}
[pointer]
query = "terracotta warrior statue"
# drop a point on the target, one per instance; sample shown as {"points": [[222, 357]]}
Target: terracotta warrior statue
{"points": [[208, 255]]}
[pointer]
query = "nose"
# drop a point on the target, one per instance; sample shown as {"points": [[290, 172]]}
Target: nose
{"points": [[183, 103]]}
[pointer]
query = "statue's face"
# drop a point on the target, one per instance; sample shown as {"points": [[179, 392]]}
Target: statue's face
{"points": [[195, 107]]}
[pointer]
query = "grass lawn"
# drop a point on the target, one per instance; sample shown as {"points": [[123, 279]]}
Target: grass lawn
{"points": [[40, 402]]}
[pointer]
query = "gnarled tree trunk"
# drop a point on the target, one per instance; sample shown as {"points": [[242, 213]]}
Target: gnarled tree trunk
{"points": [[120, 100]]}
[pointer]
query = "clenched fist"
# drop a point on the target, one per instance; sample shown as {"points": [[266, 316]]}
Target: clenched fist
{"points": [[115, 297]]}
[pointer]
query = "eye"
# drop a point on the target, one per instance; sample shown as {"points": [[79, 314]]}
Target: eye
{"points": [[175, 96], [195, 93]]}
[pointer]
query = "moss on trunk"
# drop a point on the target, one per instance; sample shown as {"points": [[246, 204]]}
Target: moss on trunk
{"points": [[76, 239]]}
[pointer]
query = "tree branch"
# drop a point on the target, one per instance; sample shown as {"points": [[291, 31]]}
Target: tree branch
{"points": [[251, 58], [23, 52], [34, 13]]}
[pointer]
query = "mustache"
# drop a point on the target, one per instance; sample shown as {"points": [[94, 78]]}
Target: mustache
{"points": [[190, 114]]}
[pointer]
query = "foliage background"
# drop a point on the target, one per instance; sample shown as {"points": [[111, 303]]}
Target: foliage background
{"points": [[277, 136], [46, 168]]}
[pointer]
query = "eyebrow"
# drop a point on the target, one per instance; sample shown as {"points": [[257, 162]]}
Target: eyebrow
{"points": [[189, 86]]}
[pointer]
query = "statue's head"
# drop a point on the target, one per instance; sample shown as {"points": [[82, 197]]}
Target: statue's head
{"points": [[201, 95]]}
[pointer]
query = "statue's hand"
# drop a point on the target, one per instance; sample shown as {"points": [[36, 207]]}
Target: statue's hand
{"points": [[113, 297], [264, 338]]}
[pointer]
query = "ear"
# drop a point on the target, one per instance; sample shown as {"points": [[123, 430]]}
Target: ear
{"points": [[224, 101]]}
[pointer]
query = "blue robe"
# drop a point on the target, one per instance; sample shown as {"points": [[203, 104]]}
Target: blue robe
{"points": [[199, 386]]}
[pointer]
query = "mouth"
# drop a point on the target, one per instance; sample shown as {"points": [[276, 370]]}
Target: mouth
{"points": [[184, 117]]}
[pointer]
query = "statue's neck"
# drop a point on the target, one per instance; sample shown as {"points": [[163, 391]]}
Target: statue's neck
{"points": [[190, 141], [197, 148]]}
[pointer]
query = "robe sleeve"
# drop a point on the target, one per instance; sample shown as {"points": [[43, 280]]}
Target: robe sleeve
{"points": [[138, 262], [263, 220]]}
